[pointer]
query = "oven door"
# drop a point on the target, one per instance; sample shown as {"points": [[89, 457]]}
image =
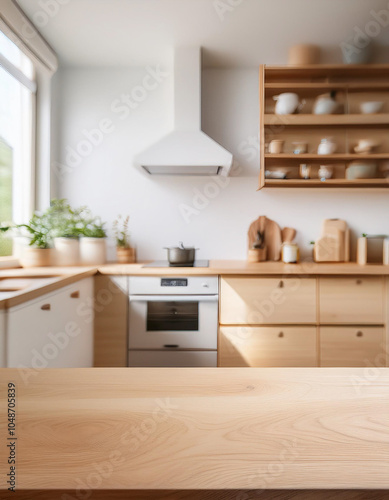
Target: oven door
{"points": [[173, 321]]}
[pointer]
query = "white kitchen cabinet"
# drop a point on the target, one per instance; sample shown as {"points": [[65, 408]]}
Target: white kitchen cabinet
{"points": [[54, 331], [2, 339]]}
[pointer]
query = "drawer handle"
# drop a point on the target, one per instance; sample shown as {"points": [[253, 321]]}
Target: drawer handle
{"points": [[281, 334], [359, 334], [281, 284], [171, 346], [46, 307], [359, 282], [75, 295]]}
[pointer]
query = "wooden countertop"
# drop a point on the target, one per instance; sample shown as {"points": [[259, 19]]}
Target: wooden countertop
{"points": [[39, 281], [242, 267], [63, 276], [202, 428]]}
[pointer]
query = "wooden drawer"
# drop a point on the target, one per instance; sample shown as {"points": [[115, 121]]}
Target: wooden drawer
{"points": [[267, 346], [258, 301], [352, 346], [352, 300]]}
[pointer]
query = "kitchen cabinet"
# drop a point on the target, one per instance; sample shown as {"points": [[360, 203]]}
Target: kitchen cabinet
{"points": [[259, 301], [111, 317], [352, 346], [356, 300], [284, 346], [54, 331]]}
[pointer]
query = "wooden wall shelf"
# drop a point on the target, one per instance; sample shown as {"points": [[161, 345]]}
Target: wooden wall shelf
{"points": [[325, 120], [354, 84]]}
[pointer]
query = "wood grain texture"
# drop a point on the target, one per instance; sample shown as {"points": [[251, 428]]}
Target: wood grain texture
{"points": [[205, 428], [352, 300], [352, 346], [110, 324], [204, 495], [258, 301], [267, 346]]}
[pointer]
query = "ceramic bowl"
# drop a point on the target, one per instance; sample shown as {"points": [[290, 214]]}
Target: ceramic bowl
{"points": [[366, 146], [369, 107], [361, 170]]}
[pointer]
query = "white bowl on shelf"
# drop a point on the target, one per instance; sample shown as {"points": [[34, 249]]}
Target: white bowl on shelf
{"points": [[370, 107], [361, 170]]}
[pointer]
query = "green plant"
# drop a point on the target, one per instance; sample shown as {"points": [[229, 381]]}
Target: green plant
{"points": [[65, 221], [364, 235], [120, 228], [94, 228], [39, 230]]}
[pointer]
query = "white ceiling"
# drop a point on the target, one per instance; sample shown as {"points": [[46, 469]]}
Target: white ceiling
{"points": [[139, 32]]}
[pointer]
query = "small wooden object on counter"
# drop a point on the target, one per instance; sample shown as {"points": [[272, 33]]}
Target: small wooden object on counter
{"points": [[271, 232], [334, 242], [362, 251], [125, 255]]}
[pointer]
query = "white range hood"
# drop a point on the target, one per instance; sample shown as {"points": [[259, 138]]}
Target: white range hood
{"points": [[186, 150]]}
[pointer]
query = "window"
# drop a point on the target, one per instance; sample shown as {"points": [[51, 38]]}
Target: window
{"points": [[17, 104]]}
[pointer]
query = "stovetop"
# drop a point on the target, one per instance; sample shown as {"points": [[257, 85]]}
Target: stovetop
{"points": [[165, 263]]}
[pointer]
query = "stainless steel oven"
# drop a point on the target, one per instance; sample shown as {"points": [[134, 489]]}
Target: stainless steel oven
{"points": [[173, 315]]}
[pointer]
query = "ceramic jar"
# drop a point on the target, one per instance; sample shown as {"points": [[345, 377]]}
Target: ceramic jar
{"points": [[290, 253], [325, 172], [67, 251], [93, 251], [286, 103], [276, 146], [326, 147], [36, 257]]}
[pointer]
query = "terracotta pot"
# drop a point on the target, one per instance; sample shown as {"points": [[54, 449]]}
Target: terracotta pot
{"points": [[36, 257], [125, 255]]}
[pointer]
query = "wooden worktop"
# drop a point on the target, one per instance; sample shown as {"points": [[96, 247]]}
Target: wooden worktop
{"points": [[67, 275], [242, 267], [39, 281], [202, 428]]}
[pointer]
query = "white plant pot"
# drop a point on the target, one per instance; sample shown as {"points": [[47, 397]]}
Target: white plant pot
{"points": [[93, 251], [36, 257], [67, 251]]}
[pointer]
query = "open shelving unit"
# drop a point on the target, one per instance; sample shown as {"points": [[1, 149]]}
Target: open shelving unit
{"points": [[354, 84]]}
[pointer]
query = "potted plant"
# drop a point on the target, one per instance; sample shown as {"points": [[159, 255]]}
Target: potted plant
{"points": [[125, 254], [38, 253], [93, 248], [66, 226]]}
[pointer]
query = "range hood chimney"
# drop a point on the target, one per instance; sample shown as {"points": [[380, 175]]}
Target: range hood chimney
{"points": [[186, 150]]}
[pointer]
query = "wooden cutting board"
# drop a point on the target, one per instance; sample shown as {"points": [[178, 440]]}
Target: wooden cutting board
{"points": [[273, 240], [272, 232]]}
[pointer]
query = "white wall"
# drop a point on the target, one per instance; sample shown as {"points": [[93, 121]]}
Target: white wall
{"points": [[107, 181]]}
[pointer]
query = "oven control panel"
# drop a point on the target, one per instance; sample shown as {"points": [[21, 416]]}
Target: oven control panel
{"points": [[174, 282]]}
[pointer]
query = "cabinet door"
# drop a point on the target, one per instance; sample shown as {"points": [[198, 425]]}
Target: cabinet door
{"points": [[267, 346], [54, 331], [352, 346], [352, 300], [111, 329], [258, 301]]}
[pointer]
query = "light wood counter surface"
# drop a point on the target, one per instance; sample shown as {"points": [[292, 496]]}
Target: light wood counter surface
{"points": [[242, 267], [199, 428], [67, 275]]}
